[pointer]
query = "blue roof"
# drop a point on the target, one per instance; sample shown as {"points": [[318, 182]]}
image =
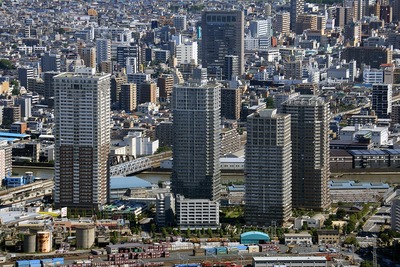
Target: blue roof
{"points": [[4, 134], [128, 182], [253, 234], [9, 139], [353, 185]]}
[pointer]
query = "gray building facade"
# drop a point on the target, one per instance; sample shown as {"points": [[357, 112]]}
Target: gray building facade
{"points": [[268, 168], [196, 145]]}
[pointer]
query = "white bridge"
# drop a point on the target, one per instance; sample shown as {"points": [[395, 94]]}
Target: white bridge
{"points": [[137, 165], [129, 167]]}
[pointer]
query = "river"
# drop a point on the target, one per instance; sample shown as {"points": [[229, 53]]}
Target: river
{"points": [[155, 177], [152, 177]]}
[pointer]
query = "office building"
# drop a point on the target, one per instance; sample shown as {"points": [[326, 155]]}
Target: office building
{"points": [[165, 209], [180, 22], [88, 54], [5, 159], [103, 51], [197, 213], [147, 92], [116, 82], [163, 133], [259, 28], [296, 9], [11, 114], [186, 53], [127, 97], [395, 214], [48, 86], [82, 133], [231, 64], [222, 35], [293, 70], [165, 84], [310, 151], [24, 74], [50, 62], [125, 51], [25, 104], [372, 56], [268, 169], [196, 146], [306, 22], [283, 22], [230, 103], [382, 100]]}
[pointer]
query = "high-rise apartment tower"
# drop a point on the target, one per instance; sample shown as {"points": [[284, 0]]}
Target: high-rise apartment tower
{"points": [[268, 168], [82, 133], [310, 118], [196, 146]]}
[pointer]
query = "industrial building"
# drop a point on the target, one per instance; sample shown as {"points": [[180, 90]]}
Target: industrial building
{"points": [[254, 237], [301, 261]]}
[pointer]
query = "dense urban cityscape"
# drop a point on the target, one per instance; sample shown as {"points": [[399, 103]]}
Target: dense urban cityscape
{"points": [[227, 133]]}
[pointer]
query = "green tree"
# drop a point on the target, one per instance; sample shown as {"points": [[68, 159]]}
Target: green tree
{"points": [[269, 101], [340, 213], [209, 232], [366, 264], [188, 233], [5, 64], [351, 240], [164, 232], [162, 149]]}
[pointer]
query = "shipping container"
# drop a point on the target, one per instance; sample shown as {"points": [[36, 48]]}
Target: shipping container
{"points": [[242, 247], [210, 251]]}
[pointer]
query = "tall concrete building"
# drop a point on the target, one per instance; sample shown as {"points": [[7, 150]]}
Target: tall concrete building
{"points": [[231, 103], [82, 133], [310, 151], [50, 62], [296, 9], [147, 92], [180, 22], [283, 22], [268, 168], [127, 98], [165, 84], [88, 54], [103, 51], [382, 100], [222, 35], [196, 146], [231, 64], [25, 73]]}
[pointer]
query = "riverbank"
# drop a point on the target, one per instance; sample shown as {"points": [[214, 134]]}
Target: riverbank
{"points": [[156, 174]]}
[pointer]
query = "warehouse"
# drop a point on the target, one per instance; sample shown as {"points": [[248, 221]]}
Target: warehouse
{"points": [[254, 238], [290, 261]]}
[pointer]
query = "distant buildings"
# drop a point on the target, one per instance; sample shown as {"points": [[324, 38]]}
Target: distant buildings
{"points": [[50, 62], [82, 113], [222, 35], [196, 145], [382, 100], [296, 9], [230, 103]]}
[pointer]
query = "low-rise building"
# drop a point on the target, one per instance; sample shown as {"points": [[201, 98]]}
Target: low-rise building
{"points": [[297, 261], [329, 236], [197, 213], [298, 238]]}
